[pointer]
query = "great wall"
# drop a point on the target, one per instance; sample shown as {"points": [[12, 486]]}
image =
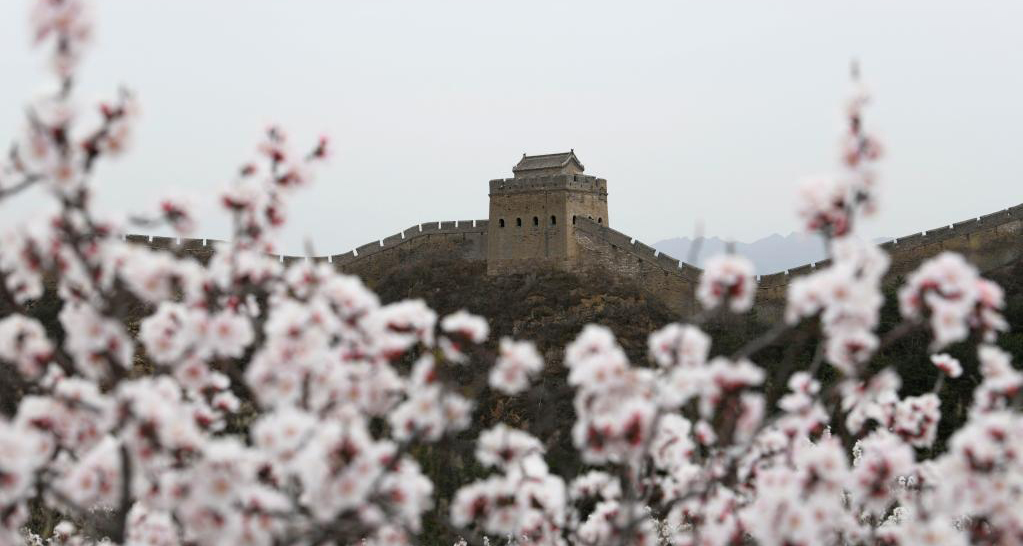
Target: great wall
{"points": [[550, 189]]}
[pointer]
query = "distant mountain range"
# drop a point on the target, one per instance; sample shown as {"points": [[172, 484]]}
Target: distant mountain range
{"points": [[769, 255]]}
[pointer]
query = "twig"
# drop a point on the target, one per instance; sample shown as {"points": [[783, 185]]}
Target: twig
{"points": [[121, 518], [900, 331], [764, 340], [26, 183], [694, 249]]}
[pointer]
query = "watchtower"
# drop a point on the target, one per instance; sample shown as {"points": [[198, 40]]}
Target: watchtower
{"points": [[532, 214]]}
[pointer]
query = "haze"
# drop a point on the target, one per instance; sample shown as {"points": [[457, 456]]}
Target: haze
{"points": [[693, 111]]}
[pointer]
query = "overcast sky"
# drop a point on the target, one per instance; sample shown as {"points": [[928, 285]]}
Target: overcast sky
{"points": [[692, 110]]}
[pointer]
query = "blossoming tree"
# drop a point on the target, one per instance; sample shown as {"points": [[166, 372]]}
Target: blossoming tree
{"points": [[261, 404]]}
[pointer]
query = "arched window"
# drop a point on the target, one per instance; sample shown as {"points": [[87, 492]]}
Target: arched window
{"points": [[573, 219], [518, 222], [554, 220], [536, 221], [600, 220], [501, 222]]}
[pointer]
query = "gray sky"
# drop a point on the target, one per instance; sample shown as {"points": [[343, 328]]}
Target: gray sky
{"points": [[691, 110]]}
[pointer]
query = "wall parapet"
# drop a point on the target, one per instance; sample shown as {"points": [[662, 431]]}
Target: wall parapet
{"points": [[638, 249], [578, 182], [346, 258], [903, 250], [408, 234]]}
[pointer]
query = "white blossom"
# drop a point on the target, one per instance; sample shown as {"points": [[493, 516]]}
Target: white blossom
{"points": [[727, 278]]}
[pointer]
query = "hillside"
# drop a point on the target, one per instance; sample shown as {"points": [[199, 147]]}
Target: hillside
{"points": [[551, 307]]}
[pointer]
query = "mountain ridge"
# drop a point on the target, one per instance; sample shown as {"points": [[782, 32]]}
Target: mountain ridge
{"points": [[773, 253]]}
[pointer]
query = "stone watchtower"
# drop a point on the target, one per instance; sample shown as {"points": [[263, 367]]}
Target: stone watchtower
{"points": [[532, 215]]}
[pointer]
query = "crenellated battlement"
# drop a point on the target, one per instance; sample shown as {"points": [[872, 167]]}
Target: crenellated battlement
{"points": [[988, 241], [899, 249], [567, 182], [204, 247], [406, 236]]}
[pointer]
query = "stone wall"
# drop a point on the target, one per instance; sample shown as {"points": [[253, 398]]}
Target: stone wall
{"points": [[990, 241], [462, 239], [672, 281], [200, 249]]}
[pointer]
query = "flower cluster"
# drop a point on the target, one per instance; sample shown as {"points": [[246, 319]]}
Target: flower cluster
{"points": [[69, 24], [955, 298], [624, 414], [847, 297], [517, 364], [829, 204], [256, 199], [727, 279], [526, 501]]}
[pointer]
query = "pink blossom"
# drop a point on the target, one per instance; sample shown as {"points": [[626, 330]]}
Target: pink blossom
{"points": [[95, 480], [679, 345], [179, 213], [672, 444], [824, 205], [22, 260], [97, 344], [517, 363], [24, 343], [948, 365], [727, 278], [595, 484], [881, 458], [69, 22], [504, 447], [399, 326], [409, 494], [156, 276], [916, 418], [472, 327], [727, 378], [849, 349], [595, 360], [229, 334], [21, 456], [152, 527], [173, 332], [951, 292], [873, 398], [1001, 381]]}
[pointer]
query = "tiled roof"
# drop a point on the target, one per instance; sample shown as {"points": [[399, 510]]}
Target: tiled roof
{"points": [[546, 161]]}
